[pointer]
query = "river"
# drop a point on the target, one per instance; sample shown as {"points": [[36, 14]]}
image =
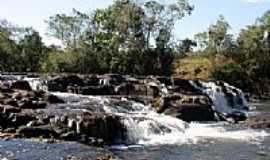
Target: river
{"points": [[206, 149], [228, 142], [154, 136]]}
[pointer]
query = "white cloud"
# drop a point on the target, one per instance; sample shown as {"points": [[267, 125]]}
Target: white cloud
{"points": [[256, 1]]}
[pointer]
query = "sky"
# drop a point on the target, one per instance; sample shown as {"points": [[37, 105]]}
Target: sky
{"points": [[239, 13]]}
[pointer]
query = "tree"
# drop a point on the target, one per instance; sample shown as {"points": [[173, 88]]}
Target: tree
{"points": [[33, 52], [216, 39], [185, 47], [118, 37], [69, 29]]}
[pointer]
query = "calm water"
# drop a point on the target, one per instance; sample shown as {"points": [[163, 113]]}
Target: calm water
{"points": [[19, 149]]}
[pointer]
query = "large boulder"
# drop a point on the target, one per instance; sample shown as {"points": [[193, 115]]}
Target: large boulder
{"points": [[137, 90], [52, 99], [187, 108], [99, 126], [97, 90], [40, 131], [20, 84], [61, 83]]}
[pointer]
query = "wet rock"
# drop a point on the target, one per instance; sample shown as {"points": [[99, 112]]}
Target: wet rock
{"points": [[9, 130], [98, 90], [258, 122], [237, 116], [20, 84], [100, 157], [77, 158], [7, 109], [29, 104], [106, 157], [70, 136], [111, 79], [187, 108], [52, 99], [168, 81], [124, 89], [92, 80], [137, 90], [61, 83], [183, 86], [40, 131], [10, 101], [20, 119], [73, 124]]}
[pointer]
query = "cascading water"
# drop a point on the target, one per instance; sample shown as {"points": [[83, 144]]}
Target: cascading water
{"points": [[226, 99], [37, 83], [147, 127]]}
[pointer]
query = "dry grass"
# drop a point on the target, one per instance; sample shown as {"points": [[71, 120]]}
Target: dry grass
{"points": [[198, 66], [193, 67]]}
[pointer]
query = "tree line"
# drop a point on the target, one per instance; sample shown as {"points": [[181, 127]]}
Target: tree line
{"points": [[127, 37], [131, 37]]}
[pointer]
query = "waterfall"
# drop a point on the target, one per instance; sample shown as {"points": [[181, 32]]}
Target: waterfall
{"points": [[37, 83], [226, 99], [147, 127]]}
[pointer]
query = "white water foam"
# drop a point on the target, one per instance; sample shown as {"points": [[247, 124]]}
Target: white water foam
{"points": [[219, 99], [37, 83], [146, 127]]}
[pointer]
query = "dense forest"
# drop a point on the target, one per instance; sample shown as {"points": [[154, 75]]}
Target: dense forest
{"points": [[137, 38]]}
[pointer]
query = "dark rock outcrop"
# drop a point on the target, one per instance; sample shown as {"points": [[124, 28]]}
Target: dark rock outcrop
{"points": [[20, 84], [258, 122], [40, 131], [186, 107], [30, 114]]}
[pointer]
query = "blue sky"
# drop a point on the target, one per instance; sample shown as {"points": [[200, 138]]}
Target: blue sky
{"points": [[239, 13]]}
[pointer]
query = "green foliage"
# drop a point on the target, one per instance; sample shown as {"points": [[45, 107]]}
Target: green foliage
{"points": [[232, 73], [243, 62], [216, 39], [32, 52], [21, 49], [129, 37], [126, 37], [251, 56]]}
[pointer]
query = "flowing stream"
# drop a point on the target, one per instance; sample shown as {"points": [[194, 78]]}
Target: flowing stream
{"points": [[147, 127], [151, 135]]}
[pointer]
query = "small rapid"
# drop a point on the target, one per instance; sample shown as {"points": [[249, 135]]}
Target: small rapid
{"points": [[147, 127], [226, 99]]}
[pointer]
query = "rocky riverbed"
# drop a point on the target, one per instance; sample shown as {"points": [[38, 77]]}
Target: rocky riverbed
{"points": [[106, 110]]}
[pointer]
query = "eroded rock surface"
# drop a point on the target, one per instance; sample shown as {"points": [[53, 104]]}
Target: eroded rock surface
{"points": [[172, 96], [28, 107], [28, 114]]}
